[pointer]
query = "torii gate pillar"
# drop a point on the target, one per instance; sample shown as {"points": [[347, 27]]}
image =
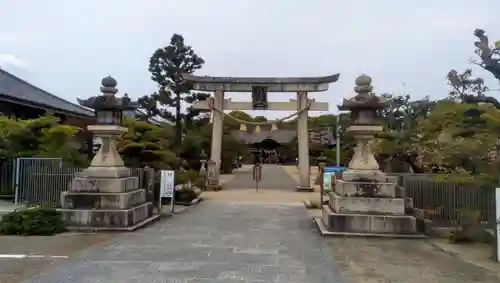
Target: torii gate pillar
{"points": [[301, 86], [217, 130], [303, 143]]}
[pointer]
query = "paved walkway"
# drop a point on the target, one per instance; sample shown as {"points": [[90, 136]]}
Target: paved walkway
{"points": [[273, 178], [214, 242]]}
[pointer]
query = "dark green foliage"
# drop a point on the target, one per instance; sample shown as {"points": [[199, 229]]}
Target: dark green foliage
{"points": [[200, 183], [183, 177], [470, 229], [146, 144], [34, 221], [167, 65]]}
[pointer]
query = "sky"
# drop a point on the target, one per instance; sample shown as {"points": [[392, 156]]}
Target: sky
{"points": [[67, 47]]}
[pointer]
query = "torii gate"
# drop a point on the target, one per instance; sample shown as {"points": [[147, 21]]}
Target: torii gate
{"points": [[259, 87]]}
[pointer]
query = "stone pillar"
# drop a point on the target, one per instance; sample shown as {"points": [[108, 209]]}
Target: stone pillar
{"points": [[303, 143], [217, 130]]}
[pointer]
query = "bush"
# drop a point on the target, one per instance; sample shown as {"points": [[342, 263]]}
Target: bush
{"points": [[185, 195], [470, 229], [33, 221], [200, 183], [183, 177]]}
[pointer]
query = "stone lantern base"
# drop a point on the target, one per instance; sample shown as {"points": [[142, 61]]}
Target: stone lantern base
{"points": [[104, 197]]}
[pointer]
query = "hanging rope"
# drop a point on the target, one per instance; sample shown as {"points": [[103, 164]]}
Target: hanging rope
{"points": [[308, 106]]}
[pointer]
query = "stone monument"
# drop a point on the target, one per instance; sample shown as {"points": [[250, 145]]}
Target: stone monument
{"points": [[104, 196], [366, 201]]}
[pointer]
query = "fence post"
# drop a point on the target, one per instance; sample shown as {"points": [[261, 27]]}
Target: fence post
{"points": [[16, 180]]}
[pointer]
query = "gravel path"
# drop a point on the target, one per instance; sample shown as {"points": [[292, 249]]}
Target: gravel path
{"points": [[213, 242]]}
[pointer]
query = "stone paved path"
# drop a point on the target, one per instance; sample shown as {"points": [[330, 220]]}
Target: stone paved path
{"points": [[214, 242], [274, 177]]}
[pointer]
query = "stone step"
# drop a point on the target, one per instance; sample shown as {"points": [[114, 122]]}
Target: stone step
{"points": [[323, 229], [394, 206], [87, 200], [106, 218], [368, 223]]}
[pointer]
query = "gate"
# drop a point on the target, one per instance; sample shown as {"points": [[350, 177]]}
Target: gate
{"points": [[7, 177], [36, 178]]}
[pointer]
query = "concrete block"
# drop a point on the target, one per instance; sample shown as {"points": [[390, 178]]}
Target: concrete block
{"points": [[344, 188], [368, 223], [104, 172], [86, 200], [367, 205], [104, 185], [106, 218]]}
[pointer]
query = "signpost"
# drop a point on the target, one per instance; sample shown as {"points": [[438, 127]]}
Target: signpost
{"points": [[212, 177], [257, 175], [497, 222], [167, 187]]}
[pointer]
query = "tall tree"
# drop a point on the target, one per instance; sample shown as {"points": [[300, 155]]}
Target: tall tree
{"points": [[167, 65], [465, 87], [489, 54]]}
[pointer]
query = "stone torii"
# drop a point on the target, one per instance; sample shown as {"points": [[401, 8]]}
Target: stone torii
{"points": [[259, 87]]}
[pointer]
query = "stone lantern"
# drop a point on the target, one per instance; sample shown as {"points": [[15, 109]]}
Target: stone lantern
{"points": [[108, 111], [104, 197], [363, 110], [366, 202], [321, 166], [203, 161], [321, 161]]}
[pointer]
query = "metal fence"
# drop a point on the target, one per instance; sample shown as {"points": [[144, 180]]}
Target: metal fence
{"points": [[36, 181], [7, 176], [442, 202], [44, 185]]}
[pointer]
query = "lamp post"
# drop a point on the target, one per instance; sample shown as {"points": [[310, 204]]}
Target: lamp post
{"points": [[321, 166], [203, 161]]}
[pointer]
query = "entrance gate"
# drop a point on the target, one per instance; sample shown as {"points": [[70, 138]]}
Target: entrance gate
{"points": [[260, 87]]}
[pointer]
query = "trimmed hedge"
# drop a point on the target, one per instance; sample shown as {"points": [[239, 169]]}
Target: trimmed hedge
{"points": [[32, 221]]}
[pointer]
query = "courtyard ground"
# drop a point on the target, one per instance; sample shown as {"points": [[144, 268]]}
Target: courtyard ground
{"points": [[240, 235], [41, 252]]}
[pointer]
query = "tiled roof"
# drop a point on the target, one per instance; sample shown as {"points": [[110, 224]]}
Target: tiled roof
{"points": [[18, 89], [139, 113]]}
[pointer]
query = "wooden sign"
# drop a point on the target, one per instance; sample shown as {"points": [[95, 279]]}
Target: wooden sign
{"points": [[259, 98], [257, 172]]}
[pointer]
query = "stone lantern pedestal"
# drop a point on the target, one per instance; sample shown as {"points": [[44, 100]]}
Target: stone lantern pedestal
{"points": [[104, 197], [367, 202]]}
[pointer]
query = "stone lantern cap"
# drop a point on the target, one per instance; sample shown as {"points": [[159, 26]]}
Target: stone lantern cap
{"points": [[108, 100], [365, 99], [321, 158]]}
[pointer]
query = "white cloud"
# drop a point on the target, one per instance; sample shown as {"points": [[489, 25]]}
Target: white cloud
{"points": [[13, 60]]}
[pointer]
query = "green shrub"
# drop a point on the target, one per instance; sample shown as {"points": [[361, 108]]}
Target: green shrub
{"points": [[33, 221], [185, 195], [470, 229], [200, 183], [183, 177]]}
